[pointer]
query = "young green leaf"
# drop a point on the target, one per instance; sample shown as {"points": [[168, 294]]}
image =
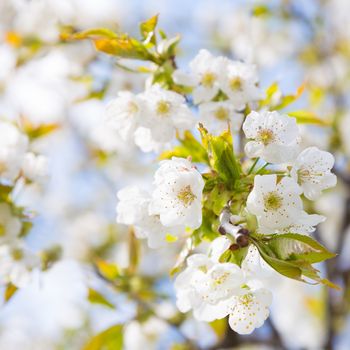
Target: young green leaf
{"points": [[110, 339]]}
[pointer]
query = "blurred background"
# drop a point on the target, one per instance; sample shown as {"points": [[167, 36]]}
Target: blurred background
{"points": [[63, 87]]}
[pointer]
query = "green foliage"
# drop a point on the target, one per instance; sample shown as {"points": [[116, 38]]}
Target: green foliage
{"points": [[292, 255], [147, 30], [234, 256], [10, 291], [221, 155], [189, 147], [110, 339], [307, 117], [107, 270], [97, 298]]}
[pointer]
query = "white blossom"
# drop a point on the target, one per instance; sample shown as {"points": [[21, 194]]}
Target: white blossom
{"points": [[275, 137], [123, 114], [250, 310], [16, 264], [205, 285], [13, 145], [165, 113], [239, 82], [177, 198], [132, 209], [35, 167], [205, 71], [312, 171], [217, 115], [278, 206]]}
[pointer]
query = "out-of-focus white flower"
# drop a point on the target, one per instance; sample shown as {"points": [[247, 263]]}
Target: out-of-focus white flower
{"points": [[165, 113], [204, 284], [10, 225], [278, 206], [8, 61], [250, 310], [275, 137], [16, 264], [239, 82], [205, 71], [177, 198], [216, 116], [13, 145], [312, 171], [214, 290], [298, 314], [123, 114], [144, 335], [132, 209], [35, 167], [84, 233]]}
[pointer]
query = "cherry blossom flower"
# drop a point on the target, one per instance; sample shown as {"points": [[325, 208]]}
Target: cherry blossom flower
{"points": [[278, 206], [250, 310], [123, 114], [239, 83], [13, 145], [177, 198], [312, 171], [165, 113], [132, 209], [275, 137], [217, 115], [205, 72]]}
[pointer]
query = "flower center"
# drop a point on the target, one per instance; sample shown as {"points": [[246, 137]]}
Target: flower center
{"points": [[17, 254], [132, 108], [186, 196], [208, 79], [265, 136], [221, 113], [246, 299], [221, 278], [236, 83], [163, 107], [273, 201], [307, 175]]}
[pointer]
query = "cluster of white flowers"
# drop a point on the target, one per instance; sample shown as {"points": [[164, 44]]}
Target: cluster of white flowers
{"points": [[151, 119], [15, 157], [221, 87], [276, 201], [214, 290], [175, 203], [16, 161]]}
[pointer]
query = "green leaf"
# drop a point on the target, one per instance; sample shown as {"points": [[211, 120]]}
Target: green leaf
{"points": [[221, 155], [10, 291], [219, 327], [107, 270], [284, 268], [288, 99], [306, 117], [97, 298], [234, 257], [270, 92], [294, 246], [123, 46], [93, 33], [189, 147], [5, 192], [110, 339], [147, 29], [134, 252], [294, 265]]}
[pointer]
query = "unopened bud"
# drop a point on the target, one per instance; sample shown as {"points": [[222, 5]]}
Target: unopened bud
{"points": [[234, 247], [244, 231], [242, 240]]}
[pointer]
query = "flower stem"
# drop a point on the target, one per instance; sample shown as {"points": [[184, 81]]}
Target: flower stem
{"points": [[253, 166]]}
